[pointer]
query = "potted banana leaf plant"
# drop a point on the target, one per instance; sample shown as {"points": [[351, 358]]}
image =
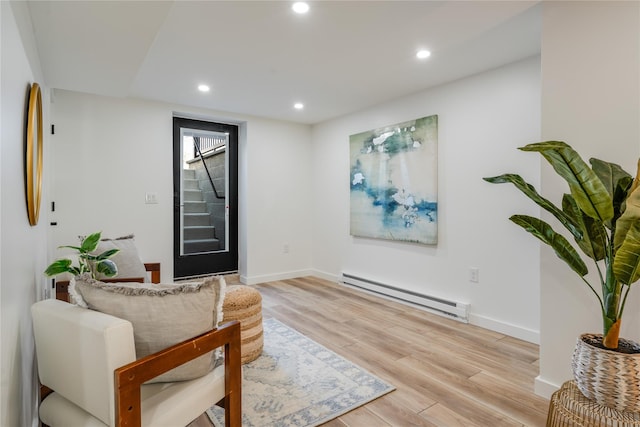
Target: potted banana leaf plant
{"points": [[87, 261], [601, 213]]}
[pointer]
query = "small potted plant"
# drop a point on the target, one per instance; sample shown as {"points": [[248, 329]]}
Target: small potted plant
{"points": [[87, 262], [602, 214]]}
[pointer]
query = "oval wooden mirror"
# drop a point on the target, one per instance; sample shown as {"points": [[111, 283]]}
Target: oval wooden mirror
{"points": [[33, 157]]}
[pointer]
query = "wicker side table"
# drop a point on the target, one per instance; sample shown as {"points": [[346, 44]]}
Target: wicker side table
{"points": [[569, 407]]}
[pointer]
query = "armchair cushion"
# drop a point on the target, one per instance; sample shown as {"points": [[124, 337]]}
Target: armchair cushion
{"points": [[77, 351], [128, 261], [161, 314]]}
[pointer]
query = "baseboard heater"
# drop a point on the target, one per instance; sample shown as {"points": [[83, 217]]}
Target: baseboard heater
{"points": [[456, 310]]}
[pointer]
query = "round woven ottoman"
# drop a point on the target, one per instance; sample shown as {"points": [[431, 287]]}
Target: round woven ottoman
{"points": [[244, 303], [569, 407]]}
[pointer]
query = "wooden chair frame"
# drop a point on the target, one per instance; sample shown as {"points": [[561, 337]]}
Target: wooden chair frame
{"points": [[62, 286], [129, 378]]}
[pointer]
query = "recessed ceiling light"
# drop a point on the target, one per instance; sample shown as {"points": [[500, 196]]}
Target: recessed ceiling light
{"points": [[204, 88], [298, 105], [422, 54], [300, 7]]}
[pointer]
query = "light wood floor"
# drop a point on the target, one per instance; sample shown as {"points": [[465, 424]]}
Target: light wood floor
{"points": [[446, 373]]}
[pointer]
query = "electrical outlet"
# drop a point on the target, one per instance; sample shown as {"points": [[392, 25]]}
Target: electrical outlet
{"points": [[474, 274], [285, 248]]}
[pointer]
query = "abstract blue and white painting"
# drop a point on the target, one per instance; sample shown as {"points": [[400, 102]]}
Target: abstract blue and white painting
{"points": [[394, 182]]}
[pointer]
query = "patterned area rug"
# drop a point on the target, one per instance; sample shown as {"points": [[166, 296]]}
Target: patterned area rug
{"points": [[297, 382]]}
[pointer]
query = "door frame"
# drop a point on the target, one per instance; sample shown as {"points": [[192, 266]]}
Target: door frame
{"points": [[202, 264]]}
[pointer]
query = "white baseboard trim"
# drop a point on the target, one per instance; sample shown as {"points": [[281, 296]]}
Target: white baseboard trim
{"points": [[544, 388], [505, 328], [289, 275], [335, 278], [254, 280]]}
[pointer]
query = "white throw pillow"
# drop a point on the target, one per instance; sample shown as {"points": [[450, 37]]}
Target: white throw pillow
{"points": [[127, 260], [162, 315]]}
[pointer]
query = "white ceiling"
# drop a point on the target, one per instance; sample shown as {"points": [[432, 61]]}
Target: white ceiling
{"points": [[259, 57]]}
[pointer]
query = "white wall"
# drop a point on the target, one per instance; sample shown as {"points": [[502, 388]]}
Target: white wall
{"points": [[278, 201], [591, 100], [482, 120], [108, 152], [23, 248]]}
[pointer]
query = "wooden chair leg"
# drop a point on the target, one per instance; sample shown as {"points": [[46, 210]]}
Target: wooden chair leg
{"points": [[233, 382]]}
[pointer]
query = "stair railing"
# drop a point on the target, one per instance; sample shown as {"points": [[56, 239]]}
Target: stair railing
{"points": [[196, 141]]}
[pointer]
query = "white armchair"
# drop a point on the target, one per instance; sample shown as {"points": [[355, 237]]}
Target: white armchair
{"points": [[88, 359]]}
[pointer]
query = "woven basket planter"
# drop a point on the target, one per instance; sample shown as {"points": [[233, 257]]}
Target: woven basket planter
{"points": [[608, 377]]}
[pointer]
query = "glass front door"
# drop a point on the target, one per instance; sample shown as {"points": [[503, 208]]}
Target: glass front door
{"points": [[205, 197]]}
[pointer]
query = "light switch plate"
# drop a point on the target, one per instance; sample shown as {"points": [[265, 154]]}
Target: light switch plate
{"points": [[151, 198]]}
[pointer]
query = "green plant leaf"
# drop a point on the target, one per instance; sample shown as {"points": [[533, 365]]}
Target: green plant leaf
{"points": [[617, 182], [586, 188], [106, 254], [609, 174], [626, 265], [629, 217], [560, 245], [58, 266], [594, 235], [75, 248], [107, 267], [530, 191], [90, 243], [622, 191]]}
